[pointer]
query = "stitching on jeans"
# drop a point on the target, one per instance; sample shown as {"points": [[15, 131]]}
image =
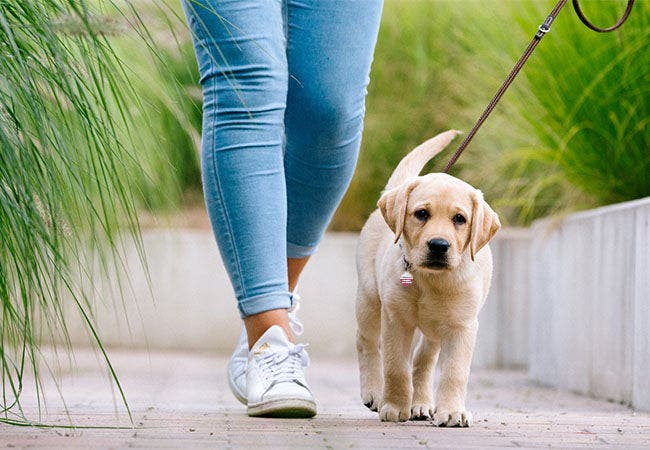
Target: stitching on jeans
{"points": [[229, 233], [226, 217], [200, 34]]}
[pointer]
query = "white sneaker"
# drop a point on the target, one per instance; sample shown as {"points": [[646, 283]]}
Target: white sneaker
{"points": [[239, 358], [275, 379], [237, 368]]}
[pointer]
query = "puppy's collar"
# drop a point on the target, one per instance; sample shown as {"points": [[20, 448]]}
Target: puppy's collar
{"points": [[407, 265], [406, 279]]}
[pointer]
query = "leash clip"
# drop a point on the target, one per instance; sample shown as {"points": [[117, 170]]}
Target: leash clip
{"points": [[545, 27]]}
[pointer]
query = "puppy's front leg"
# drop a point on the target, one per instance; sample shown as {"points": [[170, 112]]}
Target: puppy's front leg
{"points": [[455, 360], [424, 363], [397, 336]]}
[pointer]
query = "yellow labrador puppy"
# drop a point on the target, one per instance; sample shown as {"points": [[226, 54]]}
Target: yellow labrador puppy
{"points": [[423, 264]]}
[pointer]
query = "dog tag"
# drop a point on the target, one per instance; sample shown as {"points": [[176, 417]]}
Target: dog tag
{"points": [[406, 279]]}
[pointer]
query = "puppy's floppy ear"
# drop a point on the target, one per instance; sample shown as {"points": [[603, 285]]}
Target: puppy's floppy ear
{"points": [[485, 223], [392, 205]]}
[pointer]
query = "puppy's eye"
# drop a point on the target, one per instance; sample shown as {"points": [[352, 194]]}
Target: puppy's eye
{"points": [[421, 214], [459, 219]]}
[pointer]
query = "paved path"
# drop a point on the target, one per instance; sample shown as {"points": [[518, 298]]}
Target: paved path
{"points": [[182, 400]]}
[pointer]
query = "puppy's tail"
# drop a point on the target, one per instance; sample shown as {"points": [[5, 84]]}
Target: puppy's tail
{"points": [[412, 164]]}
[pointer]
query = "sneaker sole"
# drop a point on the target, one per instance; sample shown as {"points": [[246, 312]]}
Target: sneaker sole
{"points": [[283, 408]]}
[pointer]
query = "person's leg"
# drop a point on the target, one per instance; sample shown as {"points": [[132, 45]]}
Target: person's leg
{"points": [[241, 50], [240, 47], [294, 269], [329, 51]]}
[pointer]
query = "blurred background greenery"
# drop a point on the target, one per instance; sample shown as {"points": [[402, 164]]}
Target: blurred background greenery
{"points": [[571, 132]]}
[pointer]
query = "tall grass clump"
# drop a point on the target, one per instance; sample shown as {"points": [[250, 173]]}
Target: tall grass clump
{"points": [[64, 198], [586, 101], [569, 134]]}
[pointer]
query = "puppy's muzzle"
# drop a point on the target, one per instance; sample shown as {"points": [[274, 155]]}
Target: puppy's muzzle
{"points": [[437, 256]]}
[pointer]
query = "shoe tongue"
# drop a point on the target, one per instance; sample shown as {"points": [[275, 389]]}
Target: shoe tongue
{"points": [[272, 338]]}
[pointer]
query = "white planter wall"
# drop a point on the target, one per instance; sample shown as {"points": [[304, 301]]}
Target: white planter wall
{"points": [[191, 305], [503, 323], [590, 310]]}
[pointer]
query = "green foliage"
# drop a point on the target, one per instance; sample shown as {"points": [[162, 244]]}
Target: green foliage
{"points": [[570, 133], [62, 190], [167, 124], [592, 113], [99, 119]]}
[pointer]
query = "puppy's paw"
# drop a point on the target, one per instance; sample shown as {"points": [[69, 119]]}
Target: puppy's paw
{"points": [[421, 411], [445, 418], [371, 400], [394, 413]]}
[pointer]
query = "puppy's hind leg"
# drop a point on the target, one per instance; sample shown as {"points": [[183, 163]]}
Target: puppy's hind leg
{"points": [[368, 348], [424, 363]]}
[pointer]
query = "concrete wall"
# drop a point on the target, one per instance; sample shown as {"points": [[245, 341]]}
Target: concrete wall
{"points": [[191, 304], [590, 303], [503, 322]]}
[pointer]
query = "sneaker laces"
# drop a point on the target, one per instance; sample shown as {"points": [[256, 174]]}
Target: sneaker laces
{"points": [[294, 323], [286, 365]]}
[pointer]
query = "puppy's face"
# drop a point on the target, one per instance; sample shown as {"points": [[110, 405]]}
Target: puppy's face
{"points": [[440, 218]]}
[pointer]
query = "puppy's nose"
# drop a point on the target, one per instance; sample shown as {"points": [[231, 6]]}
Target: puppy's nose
{"points": [[438, 246]]}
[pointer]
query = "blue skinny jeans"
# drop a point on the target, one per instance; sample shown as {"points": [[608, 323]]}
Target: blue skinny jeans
{"points": [[284, 85]]}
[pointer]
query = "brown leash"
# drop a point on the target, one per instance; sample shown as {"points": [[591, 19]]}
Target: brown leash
{"points": [[541, 31]]}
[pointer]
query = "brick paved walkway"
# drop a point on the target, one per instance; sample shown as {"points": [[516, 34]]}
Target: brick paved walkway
{"points": [[182, 401]]}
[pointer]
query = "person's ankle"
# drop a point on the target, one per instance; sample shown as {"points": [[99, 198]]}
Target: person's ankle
{"points": [[257, 324]]}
